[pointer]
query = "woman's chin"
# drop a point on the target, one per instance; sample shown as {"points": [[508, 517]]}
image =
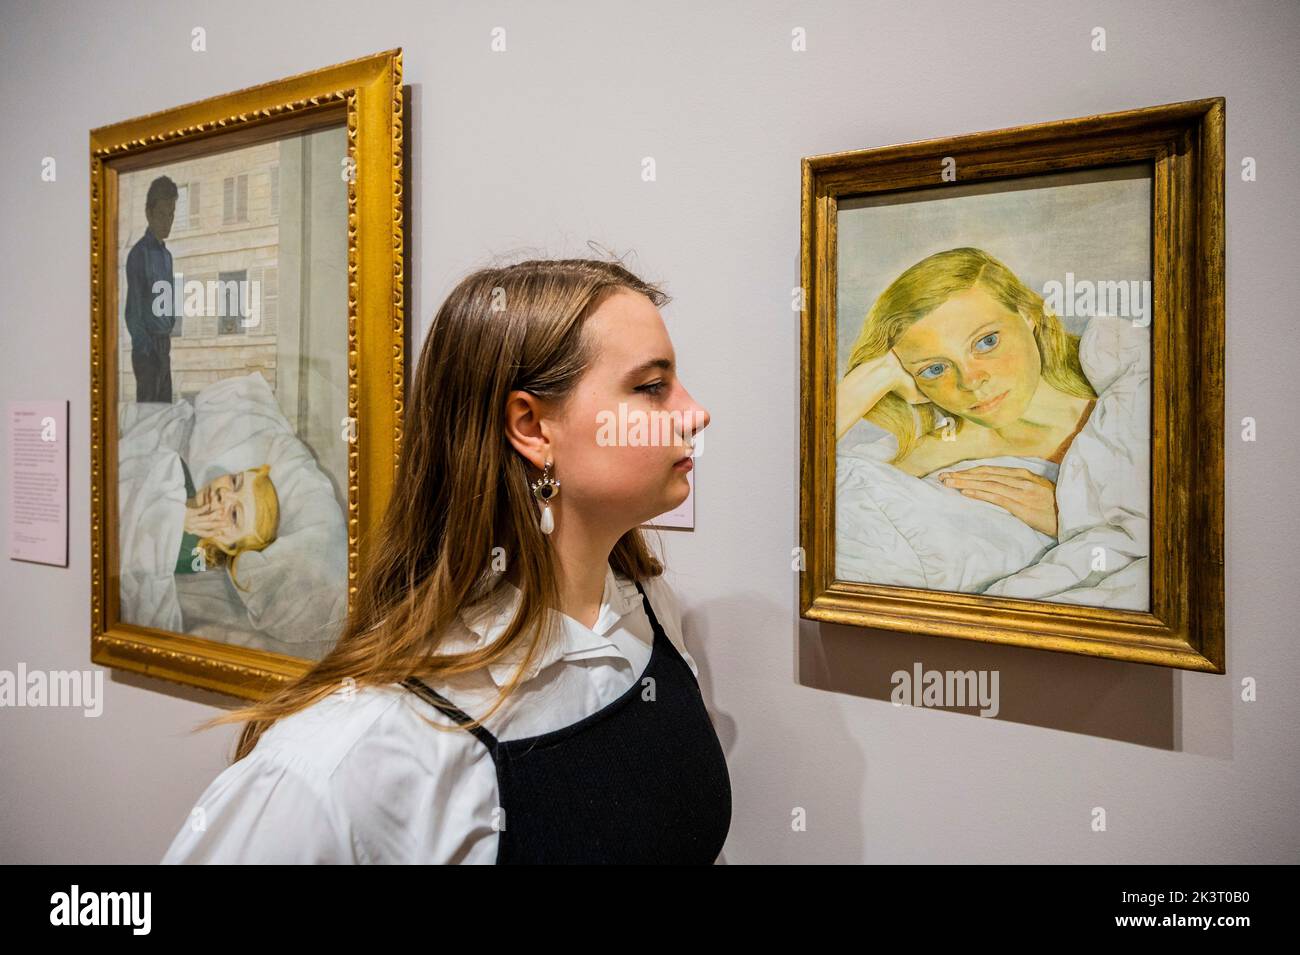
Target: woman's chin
{"points": [[682, 488]]}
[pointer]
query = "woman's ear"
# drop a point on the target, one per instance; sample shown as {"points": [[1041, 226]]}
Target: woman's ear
{"points": [[526, 429]]}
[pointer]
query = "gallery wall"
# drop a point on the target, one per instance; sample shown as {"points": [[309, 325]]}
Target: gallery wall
{"points": [[539, 148]]}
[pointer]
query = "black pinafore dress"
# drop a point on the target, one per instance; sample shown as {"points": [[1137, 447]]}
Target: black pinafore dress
{"points": [[638, 781]]}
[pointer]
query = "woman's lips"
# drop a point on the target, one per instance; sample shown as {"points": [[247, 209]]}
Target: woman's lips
{"points": [[685, 464], [990, 404]]}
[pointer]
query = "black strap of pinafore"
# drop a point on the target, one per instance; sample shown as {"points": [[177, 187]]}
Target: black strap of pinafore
{"points": [[450, 709], [649, 612]]}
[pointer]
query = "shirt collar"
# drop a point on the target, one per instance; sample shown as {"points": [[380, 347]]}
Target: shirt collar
{"points": [[488, 620]]}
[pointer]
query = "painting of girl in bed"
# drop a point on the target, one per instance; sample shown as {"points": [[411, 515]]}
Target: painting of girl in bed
{"points": [[1005, 455], [228, 528], [233, 513], [232, 395]]}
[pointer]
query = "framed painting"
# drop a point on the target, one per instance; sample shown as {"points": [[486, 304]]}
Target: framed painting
{"points": [[1012, 386], [247, 372]]}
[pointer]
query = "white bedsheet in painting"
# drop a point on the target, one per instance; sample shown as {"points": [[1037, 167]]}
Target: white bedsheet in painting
{"points": [[296, 600], [893, 528], [151, 509]]}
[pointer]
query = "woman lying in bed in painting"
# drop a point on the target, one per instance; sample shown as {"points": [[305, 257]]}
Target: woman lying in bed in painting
{"points": [[169, 527], [227, 473], [1016, 455], [233, 513]]}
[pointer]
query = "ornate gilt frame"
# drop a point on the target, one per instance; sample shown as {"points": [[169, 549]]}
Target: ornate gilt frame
{"points": [[1185, 144], [366, 95]]}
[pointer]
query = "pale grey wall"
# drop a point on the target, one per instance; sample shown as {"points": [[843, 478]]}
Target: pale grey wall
{"points": [[539, 148]]}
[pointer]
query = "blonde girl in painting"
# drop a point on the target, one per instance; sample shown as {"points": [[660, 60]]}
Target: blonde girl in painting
{"points": [[512, 684], [1016, 455], [958, 359], [232, 514]]}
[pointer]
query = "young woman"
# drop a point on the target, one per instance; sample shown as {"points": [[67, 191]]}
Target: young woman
{"points": [[959, 360], [512, 683]]}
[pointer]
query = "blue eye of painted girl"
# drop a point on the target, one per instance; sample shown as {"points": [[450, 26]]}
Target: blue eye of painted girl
{"points": [[992, 335], [925, 372]]}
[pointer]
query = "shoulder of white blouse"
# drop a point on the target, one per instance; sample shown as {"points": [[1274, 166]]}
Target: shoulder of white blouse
{"points": [[322, 735], [376, 738], [267, 808], [668, 610], [413, 792], [312, 788]]}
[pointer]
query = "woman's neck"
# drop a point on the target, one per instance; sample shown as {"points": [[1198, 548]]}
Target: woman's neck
{"points": [[582, 562], [1051, 418]]}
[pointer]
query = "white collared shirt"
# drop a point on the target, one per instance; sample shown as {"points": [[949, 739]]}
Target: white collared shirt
{"points": [[361, 778]]}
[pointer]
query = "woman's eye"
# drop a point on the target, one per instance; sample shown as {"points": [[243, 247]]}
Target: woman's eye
{"points": [[991, 343], [930, 372], [655, 388]]}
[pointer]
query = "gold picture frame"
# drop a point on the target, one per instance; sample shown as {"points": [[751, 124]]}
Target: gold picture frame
{"points": [[359, 254], [1182, 146]]}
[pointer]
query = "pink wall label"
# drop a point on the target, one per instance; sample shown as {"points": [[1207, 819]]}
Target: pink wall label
{"points": [[38, 481]]}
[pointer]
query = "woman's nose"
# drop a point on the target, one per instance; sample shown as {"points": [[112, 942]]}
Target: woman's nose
{"points": [[697, 418]]}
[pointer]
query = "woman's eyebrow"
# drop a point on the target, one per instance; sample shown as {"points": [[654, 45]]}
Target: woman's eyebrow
{"points": [[921, 362], [972, 338], [663, 364]]}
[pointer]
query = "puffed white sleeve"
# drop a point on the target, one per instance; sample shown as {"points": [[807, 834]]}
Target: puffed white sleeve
{"points": [[265, 809], [668, 610]]}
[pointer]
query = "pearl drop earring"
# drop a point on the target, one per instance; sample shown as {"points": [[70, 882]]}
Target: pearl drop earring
{"points": [[545, 489]]}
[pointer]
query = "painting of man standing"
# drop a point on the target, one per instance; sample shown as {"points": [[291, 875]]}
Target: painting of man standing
{"points": [[149, 312]]}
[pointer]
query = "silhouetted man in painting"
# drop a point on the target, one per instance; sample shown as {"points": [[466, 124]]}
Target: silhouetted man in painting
{"points": [[149, 311]]}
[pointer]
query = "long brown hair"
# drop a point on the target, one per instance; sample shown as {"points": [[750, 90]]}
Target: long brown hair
{"points": [[462, 501]]}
